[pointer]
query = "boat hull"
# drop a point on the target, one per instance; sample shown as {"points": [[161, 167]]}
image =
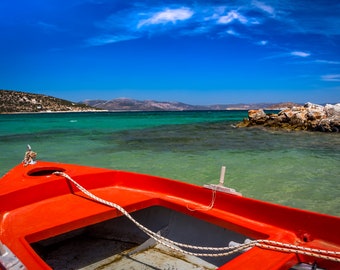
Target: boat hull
{"points": [[41, 209]]}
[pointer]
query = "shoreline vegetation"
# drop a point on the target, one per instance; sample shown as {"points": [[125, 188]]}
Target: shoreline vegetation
{"points": [[22, 102]]}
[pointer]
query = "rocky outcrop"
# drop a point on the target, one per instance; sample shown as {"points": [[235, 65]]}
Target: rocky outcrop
{"points": [[311, 117]]}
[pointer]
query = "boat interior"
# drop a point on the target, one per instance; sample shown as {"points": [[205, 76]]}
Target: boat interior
{"points": [[119, 244]]}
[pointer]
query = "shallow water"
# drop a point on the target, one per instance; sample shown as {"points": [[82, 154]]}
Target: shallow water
{"points": [[299, 169]]}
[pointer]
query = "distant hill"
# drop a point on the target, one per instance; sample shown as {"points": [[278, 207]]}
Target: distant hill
{"points": [[127, 104], [16, 101], [265, 106]]}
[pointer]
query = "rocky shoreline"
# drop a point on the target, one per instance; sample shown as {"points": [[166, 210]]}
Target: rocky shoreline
{"points": [[310, 117]]}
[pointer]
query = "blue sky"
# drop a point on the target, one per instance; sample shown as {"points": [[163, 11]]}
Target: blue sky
{"points": [[197, 52]]}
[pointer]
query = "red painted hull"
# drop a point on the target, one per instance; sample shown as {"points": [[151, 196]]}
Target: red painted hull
{"points": [[36, 205]]}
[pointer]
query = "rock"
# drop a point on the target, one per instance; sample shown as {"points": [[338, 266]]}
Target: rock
{"points": [[312, 117], [332, 110], [257, 116]]}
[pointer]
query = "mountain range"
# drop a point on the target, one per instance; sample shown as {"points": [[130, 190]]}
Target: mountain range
{"points": [[128, 104], [17, 102]]}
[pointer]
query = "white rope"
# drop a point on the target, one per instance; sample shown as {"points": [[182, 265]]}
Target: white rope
{"points": [[218, 251], [205, 208]]}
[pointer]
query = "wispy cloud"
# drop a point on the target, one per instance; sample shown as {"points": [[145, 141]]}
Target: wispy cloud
{"points": [[205, 19], [108, 39], [232, 16], [167, 16], [256, 20], [263, 7], [232, 33], [319, 18], [300, 54], [49, 27], [287, 54], [331, 78], [262, 42], [327, 62]]}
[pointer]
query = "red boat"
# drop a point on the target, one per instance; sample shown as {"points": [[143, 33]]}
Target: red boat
{"points": [[62, 216]]}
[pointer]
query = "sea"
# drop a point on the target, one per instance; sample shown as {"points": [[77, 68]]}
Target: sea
{"points": [[293, 168]]}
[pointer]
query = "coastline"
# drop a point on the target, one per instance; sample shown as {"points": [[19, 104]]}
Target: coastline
{"points": [[89, 111], [48, 112]]}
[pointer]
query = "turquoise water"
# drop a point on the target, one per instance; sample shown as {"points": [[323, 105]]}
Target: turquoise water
{"points": [[299, 169]]}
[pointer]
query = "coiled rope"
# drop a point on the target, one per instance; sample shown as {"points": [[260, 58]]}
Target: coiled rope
{"points": [[214, 251]]}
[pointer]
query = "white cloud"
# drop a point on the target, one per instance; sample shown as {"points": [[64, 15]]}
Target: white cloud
{"points": [[263, 42], [232, 33], [266, 17], [166, 16], [331, 78], [285, 54], [266, 8], [300, 54], [231, 16]]}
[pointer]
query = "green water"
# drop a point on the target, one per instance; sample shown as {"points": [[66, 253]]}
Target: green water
{"points": [[299, 169]]}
